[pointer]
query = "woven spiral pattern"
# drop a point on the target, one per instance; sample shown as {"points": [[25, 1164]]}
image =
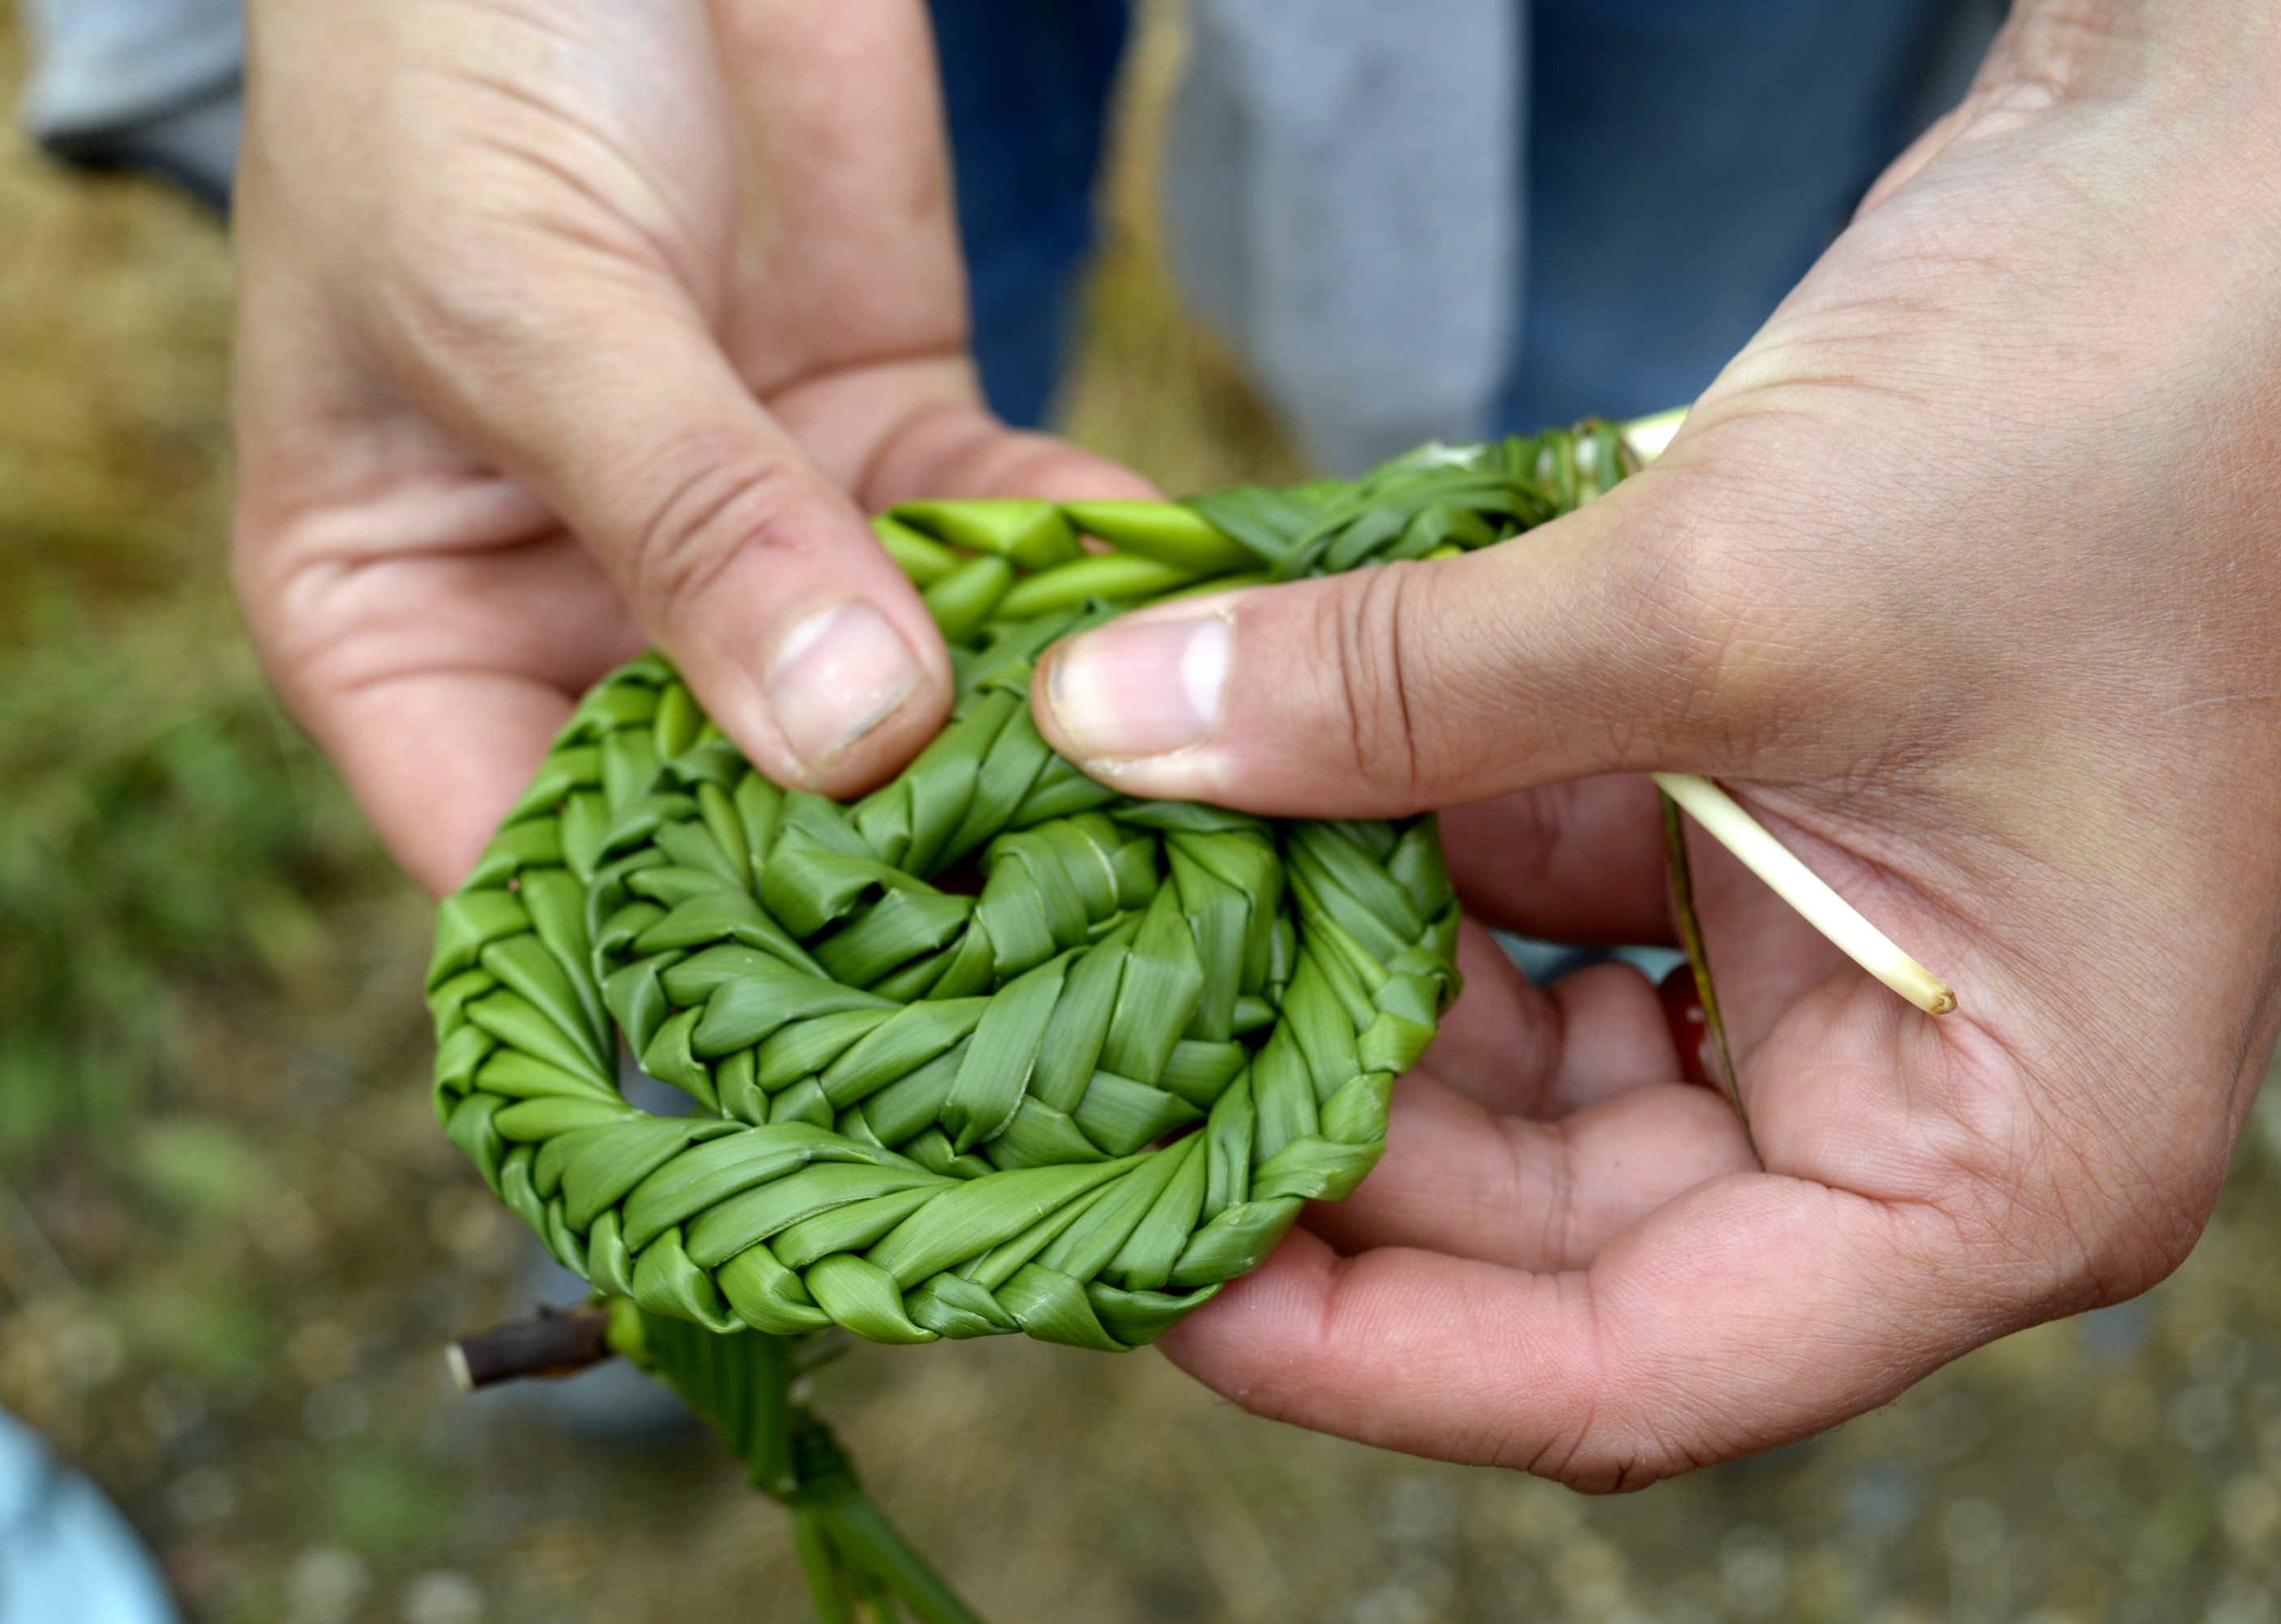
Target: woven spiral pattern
{"points": [[995, 1047]]}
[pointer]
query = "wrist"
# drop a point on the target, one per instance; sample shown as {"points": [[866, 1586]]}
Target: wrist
{"points": [[2194, 58]]}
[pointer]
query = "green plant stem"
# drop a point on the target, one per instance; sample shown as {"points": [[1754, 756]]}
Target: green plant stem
{"points": [[1698, 960], [869, 1558], [861, 1530], [827, 1586], [742, 1383]]}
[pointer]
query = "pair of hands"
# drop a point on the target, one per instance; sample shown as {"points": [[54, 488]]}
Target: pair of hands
{"points": [[572, 327]]}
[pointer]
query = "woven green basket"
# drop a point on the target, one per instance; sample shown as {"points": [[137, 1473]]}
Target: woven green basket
{"points": [[995, 1047]]}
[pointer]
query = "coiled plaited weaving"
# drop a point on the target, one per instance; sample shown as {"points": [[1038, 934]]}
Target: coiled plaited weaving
{"points": [[993, 1047]]}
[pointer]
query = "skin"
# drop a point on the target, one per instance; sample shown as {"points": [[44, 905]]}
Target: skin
{"points": [[1960, 577], [570, 326]]}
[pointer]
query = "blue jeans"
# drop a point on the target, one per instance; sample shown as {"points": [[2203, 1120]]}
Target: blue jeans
{"points": [[1687, 160], [1027, 86]]}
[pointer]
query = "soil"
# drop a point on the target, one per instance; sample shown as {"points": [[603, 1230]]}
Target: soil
{"points": [[226, 1292]]}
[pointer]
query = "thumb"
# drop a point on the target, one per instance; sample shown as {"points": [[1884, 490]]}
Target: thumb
{"points": [[737, 556], [1391, 689]]}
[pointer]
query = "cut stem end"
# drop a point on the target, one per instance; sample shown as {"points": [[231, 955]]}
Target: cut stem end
{"points": [[1803, 889], [558, 1344]]}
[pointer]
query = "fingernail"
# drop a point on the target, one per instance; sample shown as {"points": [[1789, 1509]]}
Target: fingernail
{"points": [[1139, 687], [837, 676]]}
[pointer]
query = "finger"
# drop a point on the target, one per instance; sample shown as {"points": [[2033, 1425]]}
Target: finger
{"points": [[1528, 1051], [1388, 690], [1748, 1312], [1582, 862], [436, 760], [1459, 1179], [436, 680], [901, 433], [1585, 863], [745, 563]]}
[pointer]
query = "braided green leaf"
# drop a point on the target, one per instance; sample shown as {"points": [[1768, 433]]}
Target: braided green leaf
{"points": [[993, 1047]]}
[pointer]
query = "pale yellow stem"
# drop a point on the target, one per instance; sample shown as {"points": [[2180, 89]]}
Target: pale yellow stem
{"points": [[1766, 857], [1651, 434], [1806, 891]]}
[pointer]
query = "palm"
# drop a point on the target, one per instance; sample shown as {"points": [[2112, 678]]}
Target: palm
{"points": [[1545, 1163], [2001, 681]]}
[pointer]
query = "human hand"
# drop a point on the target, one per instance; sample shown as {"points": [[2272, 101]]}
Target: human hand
{"points": [[567, 329], [1961, 577]]}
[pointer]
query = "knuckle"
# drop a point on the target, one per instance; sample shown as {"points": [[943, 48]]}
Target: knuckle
{"points": [[1695, 614], [1773, 625], [705, 509], [450, 310], [1370, 675]]}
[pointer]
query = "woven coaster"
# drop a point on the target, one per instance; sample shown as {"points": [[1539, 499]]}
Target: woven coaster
{"points": [[995, 1047]]}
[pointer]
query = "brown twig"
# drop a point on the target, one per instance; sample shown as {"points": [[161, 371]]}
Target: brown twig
{"points": [[558, 1343]]}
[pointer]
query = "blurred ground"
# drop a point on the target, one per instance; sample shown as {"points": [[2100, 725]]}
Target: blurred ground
{"points": [[232, 1240]]}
